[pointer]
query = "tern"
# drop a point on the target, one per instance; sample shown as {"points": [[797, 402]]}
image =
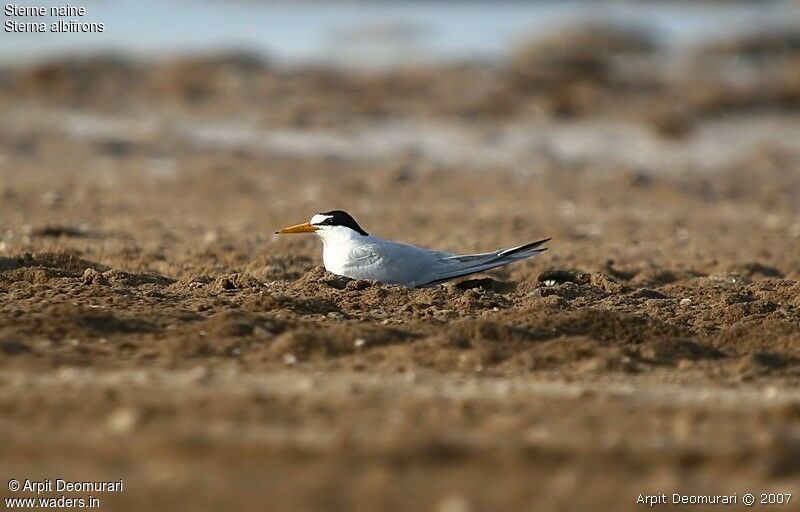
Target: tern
{"points": [[350, 251]]}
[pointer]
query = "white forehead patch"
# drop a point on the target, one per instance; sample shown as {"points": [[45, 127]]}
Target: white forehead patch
{"points": [[319, 218]]}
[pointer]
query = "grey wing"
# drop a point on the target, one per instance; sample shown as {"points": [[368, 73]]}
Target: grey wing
{"points": [[392, 262], [452, 267]]}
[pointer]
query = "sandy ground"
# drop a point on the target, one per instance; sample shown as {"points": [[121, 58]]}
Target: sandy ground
{"points": [[153, 329]]}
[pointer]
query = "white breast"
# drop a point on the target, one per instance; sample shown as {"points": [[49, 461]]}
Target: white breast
{"points": [[349, 254]]}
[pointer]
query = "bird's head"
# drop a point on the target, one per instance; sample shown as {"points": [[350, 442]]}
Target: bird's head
{"points": [[335, 223]]}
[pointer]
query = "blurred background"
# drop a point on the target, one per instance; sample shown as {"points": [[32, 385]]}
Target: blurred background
{"points": [[203, 94], [464, 84]]}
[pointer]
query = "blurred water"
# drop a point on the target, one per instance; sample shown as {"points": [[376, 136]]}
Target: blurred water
{"points": [[524, 146], [370, 32]]}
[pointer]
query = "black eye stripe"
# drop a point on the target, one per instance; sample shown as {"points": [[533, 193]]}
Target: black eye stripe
{"points": [[341, 218]]}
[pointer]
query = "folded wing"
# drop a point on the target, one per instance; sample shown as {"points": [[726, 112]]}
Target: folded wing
{"points": [[453, 267]]}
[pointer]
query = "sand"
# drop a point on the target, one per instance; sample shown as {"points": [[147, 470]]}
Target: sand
{"points": [[153, 329]]}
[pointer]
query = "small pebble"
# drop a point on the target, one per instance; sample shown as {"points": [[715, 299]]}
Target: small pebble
{"points": [[124, 420], [200, 374], [264, 334], [454, 503]]}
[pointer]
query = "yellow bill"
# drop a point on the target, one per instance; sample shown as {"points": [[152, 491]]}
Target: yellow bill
{"points": [[299, 228]]}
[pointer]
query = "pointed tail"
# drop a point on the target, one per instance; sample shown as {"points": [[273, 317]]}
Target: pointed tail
{"points": [[464, 265]]}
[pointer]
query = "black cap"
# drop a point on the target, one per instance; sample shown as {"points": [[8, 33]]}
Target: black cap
{"points": [[341, 218]]}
